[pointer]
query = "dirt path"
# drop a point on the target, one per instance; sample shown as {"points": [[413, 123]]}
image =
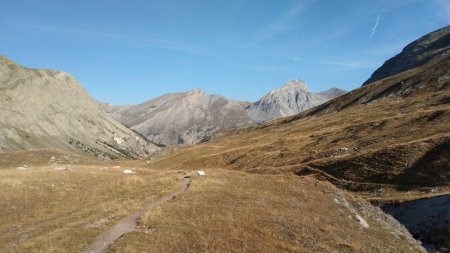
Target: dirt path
{"points": [[128, 224]]}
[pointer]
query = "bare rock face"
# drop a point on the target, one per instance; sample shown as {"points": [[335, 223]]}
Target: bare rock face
{"points": [[290, 99], [433, 46], [427, 219], [182, 118], [50, 109]]}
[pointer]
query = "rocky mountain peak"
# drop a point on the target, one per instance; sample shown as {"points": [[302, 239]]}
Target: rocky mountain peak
{"points": [[196, 92], [291, 98], [295, 84]]}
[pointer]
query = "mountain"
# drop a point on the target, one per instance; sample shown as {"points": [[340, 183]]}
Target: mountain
{"points": [[182, 118], [292, 98], [50, 109], [433, 46], [388, 142], [332, 93]]}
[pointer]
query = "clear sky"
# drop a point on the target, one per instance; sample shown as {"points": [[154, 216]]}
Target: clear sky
{"points": [[126, 52]]}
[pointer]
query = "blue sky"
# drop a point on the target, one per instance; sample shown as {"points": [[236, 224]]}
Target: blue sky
{"points": [[126, 52]]}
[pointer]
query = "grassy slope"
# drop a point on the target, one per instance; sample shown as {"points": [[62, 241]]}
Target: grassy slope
{"points": [[43, 210], [229, 211], [361, 140]]}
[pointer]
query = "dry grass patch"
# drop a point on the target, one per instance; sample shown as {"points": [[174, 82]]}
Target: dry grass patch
{"points": [[229, 211], [43, 210]]}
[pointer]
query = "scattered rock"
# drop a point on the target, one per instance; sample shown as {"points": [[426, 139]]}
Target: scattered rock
{"points": [[201, 173], [60, 168], [343, 149], [118, 140], [434, 190], [23, 167], [128, 172], [361, 221]]}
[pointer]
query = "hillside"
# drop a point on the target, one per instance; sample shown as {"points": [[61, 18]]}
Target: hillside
{"points": [[182, 118], [392, 133], [431, 47], [50, 109]]}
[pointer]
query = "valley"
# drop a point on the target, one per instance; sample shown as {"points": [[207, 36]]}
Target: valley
{"points": [[359, 171]]}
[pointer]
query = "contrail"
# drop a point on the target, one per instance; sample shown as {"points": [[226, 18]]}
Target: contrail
{"points": [[374, 28]]}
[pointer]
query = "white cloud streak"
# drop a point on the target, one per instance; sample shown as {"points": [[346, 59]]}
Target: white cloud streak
{"points": [[374, 28], [277, 26]]}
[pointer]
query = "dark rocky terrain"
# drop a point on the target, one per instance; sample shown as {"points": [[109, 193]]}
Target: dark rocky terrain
{"points": [[433, 46]]}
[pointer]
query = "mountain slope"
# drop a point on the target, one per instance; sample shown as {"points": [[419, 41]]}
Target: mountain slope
{"points": [[391, 134], [182, 118], [50, 109], [292, 98], [432, 46]]}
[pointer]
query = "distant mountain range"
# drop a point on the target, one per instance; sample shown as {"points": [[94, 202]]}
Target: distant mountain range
{"points": [[193, 116], [50, 109], [181, 118]]}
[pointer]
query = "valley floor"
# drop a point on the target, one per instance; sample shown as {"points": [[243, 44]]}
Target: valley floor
{"points": [[48, 210]]}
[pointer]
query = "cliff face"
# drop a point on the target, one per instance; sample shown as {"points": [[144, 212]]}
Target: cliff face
{"points": [[427, 219]]}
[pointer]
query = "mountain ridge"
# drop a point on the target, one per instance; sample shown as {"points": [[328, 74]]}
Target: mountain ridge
{"points": [[430, 47], [200, 120], [51, 109]]}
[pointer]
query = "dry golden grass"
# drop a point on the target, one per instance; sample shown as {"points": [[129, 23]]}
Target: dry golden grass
{"points": [[43, 210], [229, 211]]}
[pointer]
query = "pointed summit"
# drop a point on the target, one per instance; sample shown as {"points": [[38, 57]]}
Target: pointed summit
{"points": [[295, 84], [291, 98]]}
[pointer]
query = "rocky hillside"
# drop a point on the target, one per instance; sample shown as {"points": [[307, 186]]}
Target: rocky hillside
{"points": [[182, 118], [50, 109], [432, 46], [290, 99]]}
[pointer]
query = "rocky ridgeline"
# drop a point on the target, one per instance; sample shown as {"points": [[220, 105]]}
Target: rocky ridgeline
{"points": [[433, 46], [50, 109], [192, 117]]}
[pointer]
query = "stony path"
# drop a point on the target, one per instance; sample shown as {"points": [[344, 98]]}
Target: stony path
{"points": [[128, 224]]}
